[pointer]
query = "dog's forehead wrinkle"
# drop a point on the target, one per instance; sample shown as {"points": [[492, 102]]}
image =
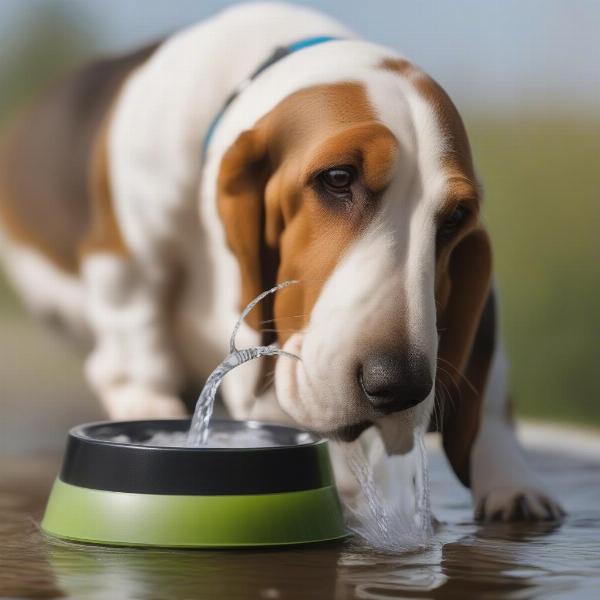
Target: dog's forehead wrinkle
{"points": [[441, 144], [395, 114]]}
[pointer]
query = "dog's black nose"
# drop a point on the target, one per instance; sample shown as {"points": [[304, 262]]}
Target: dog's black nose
{"points": [[395, 381]]}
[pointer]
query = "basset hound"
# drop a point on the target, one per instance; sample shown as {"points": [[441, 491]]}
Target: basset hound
{"points": [[147, 198]]}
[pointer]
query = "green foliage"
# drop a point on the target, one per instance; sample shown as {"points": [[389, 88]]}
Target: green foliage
{"points": [[542, 206], [48, 41]]}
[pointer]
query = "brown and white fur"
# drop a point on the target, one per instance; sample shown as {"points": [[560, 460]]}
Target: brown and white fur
{"points": [[118, 227]]}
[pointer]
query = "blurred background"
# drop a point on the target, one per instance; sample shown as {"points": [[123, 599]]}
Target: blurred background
{"points": [[526, 76]]}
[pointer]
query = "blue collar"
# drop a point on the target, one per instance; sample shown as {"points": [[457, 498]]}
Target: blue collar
{"points": [[279, 53]]}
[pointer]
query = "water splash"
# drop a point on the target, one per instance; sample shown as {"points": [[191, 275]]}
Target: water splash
{"points": [[198, 433], [383, 523]]}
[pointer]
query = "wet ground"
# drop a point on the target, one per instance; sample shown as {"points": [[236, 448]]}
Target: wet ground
{"points": [[42, 394], [466, 561]]}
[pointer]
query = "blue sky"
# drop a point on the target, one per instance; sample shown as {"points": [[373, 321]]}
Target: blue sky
{"points": [[491, 55]]}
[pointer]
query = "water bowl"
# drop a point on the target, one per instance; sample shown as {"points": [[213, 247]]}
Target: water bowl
{"points": [[131, 494]]}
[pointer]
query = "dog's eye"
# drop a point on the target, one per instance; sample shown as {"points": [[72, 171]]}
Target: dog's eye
{"points": [[338, 180], [454, 220]]}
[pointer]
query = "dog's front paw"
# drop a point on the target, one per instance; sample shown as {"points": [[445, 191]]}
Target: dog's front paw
{"points": [[518, 504], [131, 401]]}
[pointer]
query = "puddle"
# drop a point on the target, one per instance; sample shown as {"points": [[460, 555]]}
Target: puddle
{"points": [[465, 560]]}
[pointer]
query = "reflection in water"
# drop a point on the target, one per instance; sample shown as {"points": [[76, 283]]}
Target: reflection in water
{"points": [[466, 561], [178, 575], [364, 574]]}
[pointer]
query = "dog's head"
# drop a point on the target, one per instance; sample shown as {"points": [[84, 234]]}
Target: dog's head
{"points": [[364, 192]]}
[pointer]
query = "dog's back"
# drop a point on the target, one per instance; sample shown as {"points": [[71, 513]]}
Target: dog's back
{"points": [[46, 206], [44, 165]]}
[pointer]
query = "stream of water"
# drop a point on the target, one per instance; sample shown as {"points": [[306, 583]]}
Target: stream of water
{"points": [[383, 520], [200, 426]]}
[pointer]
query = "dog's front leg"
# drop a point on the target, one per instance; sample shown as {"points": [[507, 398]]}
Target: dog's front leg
{"points": [[504, 486], [133, 367]]}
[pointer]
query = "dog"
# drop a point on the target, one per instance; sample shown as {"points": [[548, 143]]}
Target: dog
{"points": [[147, 198]]}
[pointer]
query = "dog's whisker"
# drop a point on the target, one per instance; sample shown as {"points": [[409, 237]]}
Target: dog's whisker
{"points": [[436, 409], [439, 398], [461, 375], [448, 398], [268, 380], [437, 413], [266, 321], [452, 381]]}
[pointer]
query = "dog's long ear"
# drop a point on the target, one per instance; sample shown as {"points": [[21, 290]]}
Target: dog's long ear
{"points": [[464, 354], [247, 220]]}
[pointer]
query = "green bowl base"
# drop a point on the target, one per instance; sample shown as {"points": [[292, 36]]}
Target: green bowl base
{"points": [[125, 519]]}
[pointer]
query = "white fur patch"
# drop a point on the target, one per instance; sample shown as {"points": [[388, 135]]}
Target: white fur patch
{"points": [[133, 353], [47, 291]]}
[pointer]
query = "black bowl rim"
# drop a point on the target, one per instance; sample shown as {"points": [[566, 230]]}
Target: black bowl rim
{"points": [[78, 431], [178, 470]]}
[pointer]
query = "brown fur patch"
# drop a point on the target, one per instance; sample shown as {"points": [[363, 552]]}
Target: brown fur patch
{"points": [[45, 197], [268, 201]]}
